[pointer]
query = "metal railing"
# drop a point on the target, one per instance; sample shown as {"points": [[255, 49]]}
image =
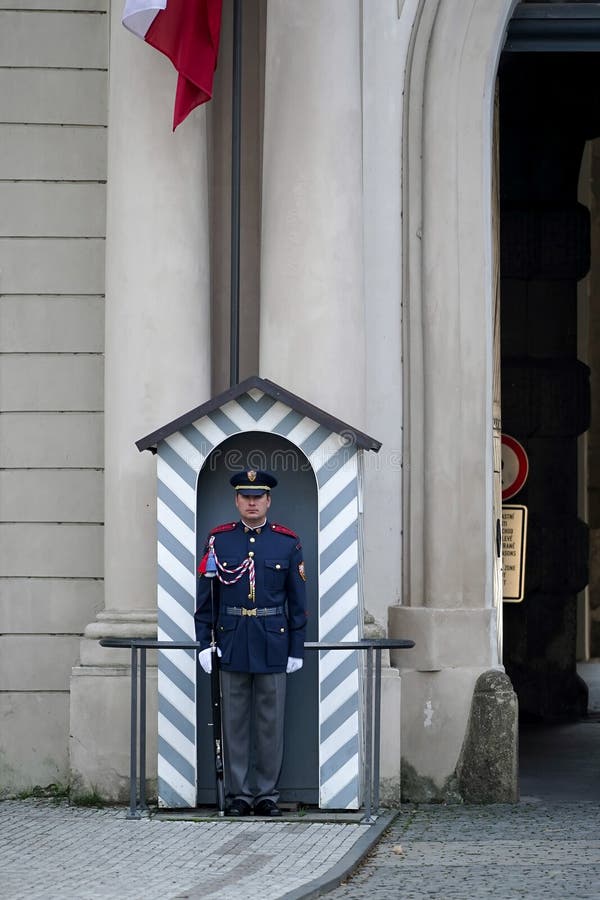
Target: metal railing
{"points": [[137, 803]]}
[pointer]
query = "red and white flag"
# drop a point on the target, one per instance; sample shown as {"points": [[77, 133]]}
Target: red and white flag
{"points": [[187, 31]]}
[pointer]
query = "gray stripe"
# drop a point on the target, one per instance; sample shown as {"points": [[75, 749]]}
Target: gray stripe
{"points": [[197, 439], [176, 505], [169, 795], [256, 408], [176, 591], [178, 465], [337, 590], [223, 422], [337, 719], [342, 628], [337, 547], [177, 549], [335, 678], [289, 422], [176, 760], [339, 502], [174, 675], [334, 463], [315, 440], [173, 631], [339, 758], [177, 719], [344, 798]]}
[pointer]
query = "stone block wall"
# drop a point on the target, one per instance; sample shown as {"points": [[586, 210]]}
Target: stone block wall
{"points": [[53, 75]]}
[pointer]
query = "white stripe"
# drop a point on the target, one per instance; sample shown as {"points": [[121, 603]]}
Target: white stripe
{"points": [[178, 573], [139, 15], [239, 416], [186, 450], [351, 636], [336, 484], [180, 701], [175, 526], [178, 614], [340, 608], [176, 484], [342, 564], [325, 451], [210, 431], [177, 740], [176, 781], [343, 520], [341, 736], [330, 662], [348, 688], [179, 658], [342, 777], [273, 416], [301, 431]]}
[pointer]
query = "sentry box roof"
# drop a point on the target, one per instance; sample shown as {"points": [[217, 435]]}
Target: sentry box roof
{"points": [[271, 394]]}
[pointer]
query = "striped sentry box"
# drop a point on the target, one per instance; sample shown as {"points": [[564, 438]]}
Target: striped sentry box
{"points": [[333, 450]]}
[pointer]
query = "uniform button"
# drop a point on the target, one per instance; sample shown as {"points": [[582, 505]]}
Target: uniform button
{"points": [[282, 630], [252, 540], [224, 565], [277, 566], [251, 553]]}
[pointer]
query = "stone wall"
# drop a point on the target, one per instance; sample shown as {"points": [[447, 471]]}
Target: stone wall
{"points": [[53, 60]]}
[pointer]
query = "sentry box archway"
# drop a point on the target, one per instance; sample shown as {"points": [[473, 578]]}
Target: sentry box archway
{"points": [[259, 423]]}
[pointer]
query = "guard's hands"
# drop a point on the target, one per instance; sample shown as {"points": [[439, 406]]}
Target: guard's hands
{"points": [[293, 664], [205, 658]]}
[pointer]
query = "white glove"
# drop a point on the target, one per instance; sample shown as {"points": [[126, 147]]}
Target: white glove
{"points": [[293, 664], [205, 658]]}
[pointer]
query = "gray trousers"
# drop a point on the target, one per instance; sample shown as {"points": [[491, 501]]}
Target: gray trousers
{"points": [[253, 709]]}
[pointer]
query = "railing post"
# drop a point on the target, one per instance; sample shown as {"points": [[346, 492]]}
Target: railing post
{"points": [[133, 810], [143, 804], [377, 729], [368, 818]]}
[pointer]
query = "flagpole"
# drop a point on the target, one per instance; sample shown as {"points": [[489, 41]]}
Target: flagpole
{"points": [[236, 120]]}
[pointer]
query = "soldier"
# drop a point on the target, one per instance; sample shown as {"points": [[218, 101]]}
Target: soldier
{"points": [[258, 610]]}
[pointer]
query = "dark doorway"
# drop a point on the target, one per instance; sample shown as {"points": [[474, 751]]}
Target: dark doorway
{"points": [[549, 109], [295, 505]]}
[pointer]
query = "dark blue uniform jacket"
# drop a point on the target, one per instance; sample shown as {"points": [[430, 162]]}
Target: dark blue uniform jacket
{"points": [[253, 643]]}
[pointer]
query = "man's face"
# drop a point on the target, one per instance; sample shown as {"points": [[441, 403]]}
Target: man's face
{"points": [[253, 510]]}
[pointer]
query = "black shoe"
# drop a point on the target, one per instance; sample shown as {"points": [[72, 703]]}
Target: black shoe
{"points": [[266, 808], [238, 808]]}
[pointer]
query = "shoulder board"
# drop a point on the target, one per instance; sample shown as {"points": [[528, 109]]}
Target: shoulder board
{"points": [[228, 526], [281, 529]]}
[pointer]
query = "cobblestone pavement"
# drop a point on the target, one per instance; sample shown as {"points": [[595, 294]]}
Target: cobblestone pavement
{"points": [[533, 849], [536, 849], [53, 851]]}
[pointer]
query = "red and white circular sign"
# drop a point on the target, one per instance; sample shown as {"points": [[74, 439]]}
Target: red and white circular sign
{"points": [[515, 467]]}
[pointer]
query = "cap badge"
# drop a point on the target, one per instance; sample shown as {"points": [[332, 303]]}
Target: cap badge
{"points": [[251, 475]]}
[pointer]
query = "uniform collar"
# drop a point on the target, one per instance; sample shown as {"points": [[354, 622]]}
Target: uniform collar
{"points": [[257, 530]]}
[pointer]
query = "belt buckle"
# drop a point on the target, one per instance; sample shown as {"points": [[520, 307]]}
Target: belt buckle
{"points": [[248, 612]]}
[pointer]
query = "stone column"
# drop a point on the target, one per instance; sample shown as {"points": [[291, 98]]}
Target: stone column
{"points": [[312, 320], [449, 259], [157, 367]]}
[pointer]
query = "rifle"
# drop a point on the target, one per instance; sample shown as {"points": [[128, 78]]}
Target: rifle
{"points": [[215, 692]]}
